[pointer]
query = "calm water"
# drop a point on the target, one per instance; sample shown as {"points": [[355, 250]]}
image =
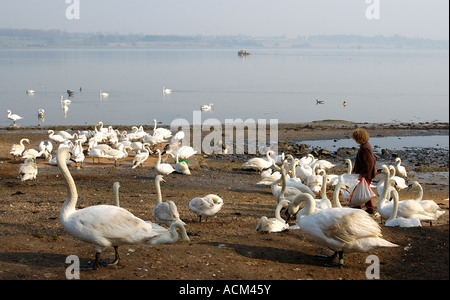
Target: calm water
{"points": [[392, 143], [379, 85]]}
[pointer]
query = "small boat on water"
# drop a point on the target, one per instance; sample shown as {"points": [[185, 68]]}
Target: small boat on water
{"points": [[243, 52]]}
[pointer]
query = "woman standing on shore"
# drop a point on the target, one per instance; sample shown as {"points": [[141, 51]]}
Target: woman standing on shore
{"points": [[365, 163]]}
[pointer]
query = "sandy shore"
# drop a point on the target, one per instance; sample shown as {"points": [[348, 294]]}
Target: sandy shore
{"points": [[34, 245]]}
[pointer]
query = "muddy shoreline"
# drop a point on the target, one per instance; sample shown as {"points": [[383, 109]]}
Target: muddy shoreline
{"points": [[34, 245]]}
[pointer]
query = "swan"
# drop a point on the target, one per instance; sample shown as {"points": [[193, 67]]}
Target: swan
{"points": [[164, 212], [116, 154], [78, 153], [206, 206], [55, 137], [65, 102], [140, 158], [166, 90], [181, 167], [13, 117], [107, 225], [277, 224], [283, 192], [17, 149], [341, 229], [399, 169], [46, 145], [428, 205], [30, 92], [206, 107], [32, 153], [163, 168], [400, 183], [268, 176], [103, 94], [320, 102], [260, 163], [41, 112], [296, 182], [395, 221], [162, 132], [314, 181], [28, 170], [406, 208], [96, 153]]}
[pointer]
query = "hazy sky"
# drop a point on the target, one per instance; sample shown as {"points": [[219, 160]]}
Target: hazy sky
{"points": [[412, 18]]}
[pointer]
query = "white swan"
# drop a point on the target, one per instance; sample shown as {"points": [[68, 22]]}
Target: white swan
{"points": [[428, 205], [341, 229], [268, 176], [30, 92], [277, 224], [55, 137], [406, 208], [41, 112], [206, 206], [164, 212], [283, 191], [64, 102], [107, 225], [260, 163], [181, 166], [140, 158], [17, 149], [32, 153], [116, 154], [13, 117], [162, 132], [166, 90], [103, 94], [163, 168], [399, 169], [96, 153], [78, 153], [400, 182], [46, 145], [28, 170], [395, 221], [206, 107]]}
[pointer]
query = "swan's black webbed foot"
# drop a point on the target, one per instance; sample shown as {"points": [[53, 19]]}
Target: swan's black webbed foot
{"points": [[330, 259], [106, 262]]}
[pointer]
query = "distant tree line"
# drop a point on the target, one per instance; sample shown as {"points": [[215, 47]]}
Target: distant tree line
{"points": [[58, 38]]}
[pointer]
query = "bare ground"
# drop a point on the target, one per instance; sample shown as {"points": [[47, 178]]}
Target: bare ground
{"points": [[227, 247]]}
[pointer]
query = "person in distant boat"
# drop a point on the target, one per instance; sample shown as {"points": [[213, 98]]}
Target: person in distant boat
{"points": [[365, 162]]}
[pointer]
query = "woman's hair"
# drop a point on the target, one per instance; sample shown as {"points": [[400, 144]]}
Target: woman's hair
{"points": [[360, 136]]}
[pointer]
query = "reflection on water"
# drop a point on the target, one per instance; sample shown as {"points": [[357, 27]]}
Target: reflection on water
{"points": [[375, 85]]}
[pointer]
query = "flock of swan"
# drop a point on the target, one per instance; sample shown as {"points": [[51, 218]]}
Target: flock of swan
{"points": [[292, 181], [343, 229], [110, 225]]}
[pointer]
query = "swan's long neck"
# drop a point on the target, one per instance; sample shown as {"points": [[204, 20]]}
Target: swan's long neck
{"points": [[420, 195], [336, 193], [158, 191], [324, 186], [72, 195], [394, 194], [349, 166], [310, 204], [159, 158], [282, 204], [293, 164], [116, 195], [154, 121], [283, 181], [386, 188]]}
